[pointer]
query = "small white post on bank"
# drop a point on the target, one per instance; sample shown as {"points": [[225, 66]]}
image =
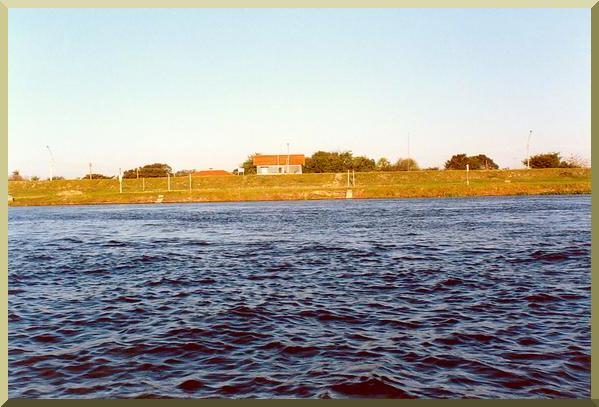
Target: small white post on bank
{"points": [[120, 182], [467, 171]]}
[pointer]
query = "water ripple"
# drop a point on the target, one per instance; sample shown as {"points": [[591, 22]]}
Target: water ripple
{"points": [[423, 298]]}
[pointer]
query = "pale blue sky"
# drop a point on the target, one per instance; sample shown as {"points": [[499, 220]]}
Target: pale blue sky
{"points": [[201, 88]]}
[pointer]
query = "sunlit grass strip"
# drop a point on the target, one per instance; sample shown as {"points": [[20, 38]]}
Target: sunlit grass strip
{"points": [[306, 186]]}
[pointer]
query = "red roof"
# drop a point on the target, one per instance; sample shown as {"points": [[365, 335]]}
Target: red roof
{"points": [[294, 159], [211, 172]]}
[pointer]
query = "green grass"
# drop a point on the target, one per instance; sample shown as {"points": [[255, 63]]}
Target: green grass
{"points": [[305, 186]]}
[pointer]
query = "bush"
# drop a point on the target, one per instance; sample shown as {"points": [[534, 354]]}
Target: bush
{"points": [[547, 160], [16, 176], [482, 162], [248, 165], [363, 164], [405, 164], [475, 162], [383, 164], [155, 170], [574, 161], [324, 161], [457, 162], [95, 176]]}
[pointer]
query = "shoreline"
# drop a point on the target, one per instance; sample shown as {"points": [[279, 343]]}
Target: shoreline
{"points": [[176, 202]]}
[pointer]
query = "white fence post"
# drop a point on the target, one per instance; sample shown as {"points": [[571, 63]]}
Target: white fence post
{"points": [[120, 182], [467, 171]]}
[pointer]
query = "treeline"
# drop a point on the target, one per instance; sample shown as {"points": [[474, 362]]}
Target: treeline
{"points": [[326, 161], [323, 161], [546, 160], [156, 170]]}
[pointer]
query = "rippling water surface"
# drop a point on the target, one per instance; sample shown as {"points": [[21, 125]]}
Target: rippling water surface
{"points": [[485, 297]]}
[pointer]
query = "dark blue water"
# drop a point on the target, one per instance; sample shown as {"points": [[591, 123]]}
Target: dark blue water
{"points": [[427, 298]]}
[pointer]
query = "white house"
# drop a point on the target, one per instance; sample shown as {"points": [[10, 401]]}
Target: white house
{"points": [[279, 164]]}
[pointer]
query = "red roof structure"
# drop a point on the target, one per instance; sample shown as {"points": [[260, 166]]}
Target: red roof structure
{"points": [[280, 159]]}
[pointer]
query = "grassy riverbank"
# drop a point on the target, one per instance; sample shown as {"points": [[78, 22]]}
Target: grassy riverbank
{"points": [[306, 186]]}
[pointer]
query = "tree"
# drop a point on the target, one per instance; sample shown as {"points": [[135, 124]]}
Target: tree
{"points": [[547, 160], [363, 164], [457, 162], [324, 161], [248, 165], [406, 164], [383, 164], [35, 178], [475, 162], [149, 171], [554, 160], [482, 162], [16, 176], [345, 161]]}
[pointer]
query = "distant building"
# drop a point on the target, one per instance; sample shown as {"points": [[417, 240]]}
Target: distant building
{"points": [[205, 173], [279, 164]]}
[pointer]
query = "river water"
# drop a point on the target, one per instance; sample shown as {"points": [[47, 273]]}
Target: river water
{"points": [[426, 298]]}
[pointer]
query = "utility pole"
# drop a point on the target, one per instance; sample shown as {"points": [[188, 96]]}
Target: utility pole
{"points": [[51, 163], [137, 172], [528, 150], [90, 170]]}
